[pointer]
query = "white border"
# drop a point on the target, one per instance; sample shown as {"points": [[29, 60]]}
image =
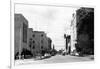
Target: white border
{"points": [[12, 63]]}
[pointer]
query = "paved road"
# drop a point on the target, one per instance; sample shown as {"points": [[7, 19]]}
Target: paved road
{"points": [[55, 59]]}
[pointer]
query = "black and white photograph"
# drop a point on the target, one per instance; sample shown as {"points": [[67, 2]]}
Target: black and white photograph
{"points": [[45, 34]]}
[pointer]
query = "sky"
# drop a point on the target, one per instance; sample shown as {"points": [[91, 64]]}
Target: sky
{"points": [[53, 20]]}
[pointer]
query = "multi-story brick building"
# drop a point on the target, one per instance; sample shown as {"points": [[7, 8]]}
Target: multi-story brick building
{"points": [[20, 33], [29, 38], [28, 42], [39, 43]]}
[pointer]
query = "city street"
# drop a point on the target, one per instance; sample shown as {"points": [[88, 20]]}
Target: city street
{"points": [[53, 37], [55, 59]]}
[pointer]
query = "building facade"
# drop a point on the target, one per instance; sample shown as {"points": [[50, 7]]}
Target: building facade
{"points": [[28, 42], [20, 33], [85, 30], [29, 39], [39, 43], [73, 33]]}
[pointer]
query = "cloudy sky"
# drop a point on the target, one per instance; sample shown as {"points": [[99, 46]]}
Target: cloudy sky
{"points": [[55, 21]]}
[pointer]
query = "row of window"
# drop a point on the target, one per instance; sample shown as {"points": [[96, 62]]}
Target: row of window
{"points": [[41, 41], [34, 35], [33, 41], [34, 47]]}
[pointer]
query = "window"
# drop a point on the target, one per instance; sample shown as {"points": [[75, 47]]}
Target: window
{"points": [[30, 46], [33, 35], [33, 47], [30, 38], [41, 47], [24, 33], [41, 35], [33, 41]]}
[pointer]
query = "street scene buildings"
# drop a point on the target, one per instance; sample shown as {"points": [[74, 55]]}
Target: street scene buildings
{"points": [[29, 42], [63, 40]]}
